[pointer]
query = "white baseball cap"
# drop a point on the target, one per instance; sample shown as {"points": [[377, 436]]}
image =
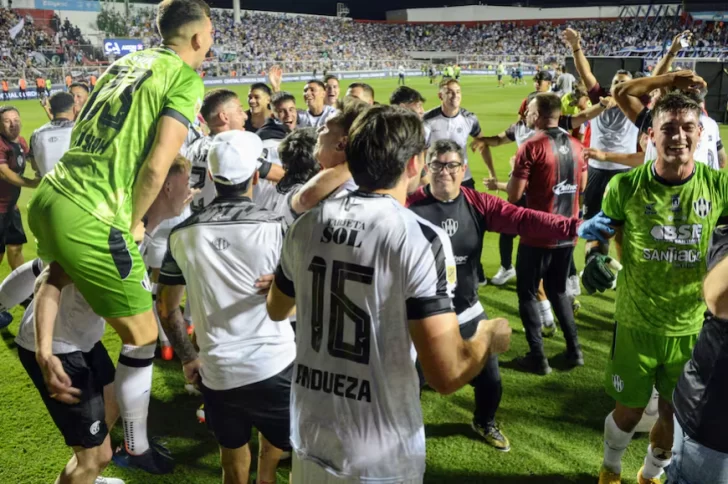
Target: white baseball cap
{"points": [[234, 156]]}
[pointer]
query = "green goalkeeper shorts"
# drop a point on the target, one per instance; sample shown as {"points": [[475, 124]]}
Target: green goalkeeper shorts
{"points": [[640, 360], [102, 261]]}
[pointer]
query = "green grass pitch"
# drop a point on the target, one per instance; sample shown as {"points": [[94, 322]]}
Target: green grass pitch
{"points": [[555, 423]]}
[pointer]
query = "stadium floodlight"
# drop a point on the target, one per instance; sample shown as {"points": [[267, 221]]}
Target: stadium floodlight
{"points": [[342, 10]]}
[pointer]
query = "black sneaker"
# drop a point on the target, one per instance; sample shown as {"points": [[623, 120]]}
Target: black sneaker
{"points": [[156, 460], [539, 366], [575, 358], [492, 436]]}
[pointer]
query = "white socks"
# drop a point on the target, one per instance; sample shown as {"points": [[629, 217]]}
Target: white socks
{"points": [[615, 443], [547, 317], [133, 391], [655, 462]]}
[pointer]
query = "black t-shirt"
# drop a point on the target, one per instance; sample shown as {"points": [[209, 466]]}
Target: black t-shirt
{"points": [[701, 395]]}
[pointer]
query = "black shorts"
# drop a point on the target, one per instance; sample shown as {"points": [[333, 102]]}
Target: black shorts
{"points": [[597, 181], [500, 77], [82, 424], [265, 405], [11, 229]]}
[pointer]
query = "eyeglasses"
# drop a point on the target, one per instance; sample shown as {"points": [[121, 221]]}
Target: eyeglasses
{"points": [[437, 167]]}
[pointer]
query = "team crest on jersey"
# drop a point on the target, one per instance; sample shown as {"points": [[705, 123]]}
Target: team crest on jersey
{"points": [[95, 427], [220, 244], [675, 204], [650, 209], [450, 226], [702, 207], [564, 150]]}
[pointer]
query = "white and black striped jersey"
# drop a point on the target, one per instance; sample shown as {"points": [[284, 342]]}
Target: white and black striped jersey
{"points": [[306, 119], [49, 142], [219, 253], [360, 267], [457, 128]]}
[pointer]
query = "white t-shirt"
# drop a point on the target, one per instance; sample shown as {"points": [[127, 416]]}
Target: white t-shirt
{"points": [[218, 254], [613, 132], [360, 267], [306, 119], [49, 142], [708, 147], [265, 194]]}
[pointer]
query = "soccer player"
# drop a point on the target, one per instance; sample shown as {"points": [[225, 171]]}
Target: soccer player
{"points": [[519, 132], [313, 95], [450, 121], [400, 81], [335, 179], [501, 71], [259, 103], [49, 142], [88, 412], [13, 154], [80, 92], [664, 213], [332, 90], [466, 215], [565, 81], [362, 91], [700, 453], [612, 131], [551, 165], [285, 111], [710, 149], [85, 210], [245, 361], [383, 277]]}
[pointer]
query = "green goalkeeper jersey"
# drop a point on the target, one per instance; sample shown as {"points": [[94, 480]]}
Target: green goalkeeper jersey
{"points": [[115, 130], [666, 229]]}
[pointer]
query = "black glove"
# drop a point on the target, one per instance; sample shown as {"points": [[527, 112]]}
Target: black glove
{"points": [[597, 275]]}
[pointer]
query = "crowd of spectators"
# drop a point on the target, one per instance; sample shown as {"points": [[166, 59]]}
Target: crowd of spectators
{"points": [[307, 43]]}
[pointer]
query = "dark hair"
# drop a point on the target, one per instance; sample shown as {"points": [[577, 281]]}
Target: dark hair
{"points": [[381, 142], [548, 102], [261, 86], [577, 94], [674, 102], [364, 87], [82, 85], [172, 15], [405, 95], [317, 82], [442, 146], [347, 110], [60, 102], [213, 100], [296, 154], [281, 97], [7, 108], [233, 190], [697, 95], [543, 76], [329, 77]]}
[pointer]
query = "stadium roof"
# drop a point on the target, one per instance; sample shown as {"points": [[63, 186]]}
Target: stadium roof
{"points": [[376, 9]]}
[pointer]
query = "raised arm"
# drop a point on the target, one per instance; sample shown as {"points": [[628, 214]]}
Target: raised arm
{"points": [[663, 65], [630, 159], [628, 94], [592, 112], [573, 40], [319, 187]]}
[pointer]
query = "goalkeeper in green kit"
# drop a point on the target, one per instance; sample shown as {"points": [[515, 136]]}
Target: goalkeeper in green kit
{"points": [[663, 214], [84, 212]]}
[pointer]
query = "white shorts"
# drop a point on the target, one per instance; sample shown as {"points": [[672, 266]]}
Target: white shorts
{"points": [[308, 472]]}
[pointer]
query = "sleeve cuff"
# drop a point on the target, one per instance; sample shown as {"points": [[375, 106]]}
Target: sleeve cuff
{"points": [[172, 279], [424, 307], [173, 113], [284, 284], [264, 169]]}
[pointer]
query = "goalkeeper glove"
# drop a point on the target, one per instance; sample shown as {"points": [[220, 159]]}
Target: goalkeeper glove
{"points": [[598, 275]]}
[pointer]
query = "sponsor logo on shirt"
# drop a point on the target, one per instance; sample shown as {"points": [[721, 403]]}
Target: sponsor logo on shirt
{"points": [[650, 209], [688, 234], [220, 244], [562, 188], [683, 257]]}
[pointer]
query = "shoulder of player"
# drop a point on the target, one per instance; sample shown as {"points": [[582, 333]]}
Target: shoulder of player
{"points": [[432, 114], [231, 212], [418, 231], [468, 114]]}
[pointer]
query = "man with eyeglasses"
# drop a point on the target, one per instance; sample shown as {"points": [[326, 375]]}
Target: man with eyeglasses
{"points": [[466, 214]]}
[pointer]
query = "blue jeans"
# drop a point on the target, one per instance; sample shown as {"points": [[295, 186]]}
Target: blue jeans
{"points": [[693, 463]]}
